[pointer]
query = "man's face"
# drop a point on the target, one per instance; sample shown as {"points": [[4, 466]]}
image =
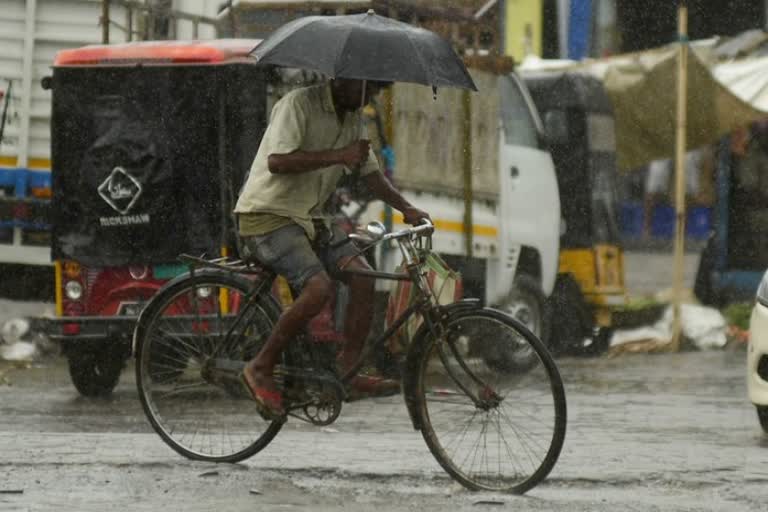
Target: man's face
{"points": [[350, 92]]}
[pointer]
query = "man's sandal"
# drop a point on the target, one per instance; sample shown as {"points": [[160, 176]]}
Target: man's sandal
{"points": [[269, 403], [366, 386]]}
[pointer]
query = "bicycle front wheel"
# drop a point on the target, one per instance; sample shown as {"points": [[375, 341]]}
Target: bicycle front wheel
{"points": [[491, 402], [191, 344]]}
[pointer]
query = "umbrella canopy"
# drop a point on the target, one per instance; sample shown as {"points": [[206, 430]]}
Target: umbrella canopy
{"points": [[365, 47]]}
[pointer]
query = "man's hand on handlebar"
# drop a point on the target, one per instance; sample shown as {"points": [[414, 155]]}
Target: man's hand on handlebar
{"points": [[414, 216]]}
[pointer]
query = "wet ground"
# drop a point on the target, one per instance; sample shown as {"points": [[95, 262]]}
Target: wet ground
{"points": [[646, 432]]}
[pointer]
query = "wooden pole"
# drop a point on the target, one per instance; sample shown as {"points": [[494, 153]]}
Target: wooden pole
{"points": [[105, 21], [680, 150], [467, 168]]}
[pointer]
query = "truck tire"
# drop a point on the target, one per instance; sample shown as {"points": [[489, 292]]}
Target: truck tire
{"points": [[571, 318], [95, 372], [527, 304]]}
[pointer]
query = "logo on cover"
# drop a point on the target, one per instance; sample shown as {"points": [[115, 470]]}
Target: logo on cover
{"points": [[120, 190]]}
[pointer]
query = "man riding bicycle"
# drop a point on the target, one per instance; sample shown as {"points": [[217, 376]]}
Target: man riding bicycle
{"points": [[312, 139]]}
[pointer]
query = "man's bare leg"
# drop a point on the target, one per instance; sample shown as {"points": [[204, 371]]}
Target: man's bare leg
{"points": [[316, 292], [359, 310], [356, 331]]}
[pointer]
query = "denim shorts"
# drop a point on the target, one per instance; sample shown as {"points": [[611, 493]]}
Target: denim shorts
{"points": [[288, 251]]}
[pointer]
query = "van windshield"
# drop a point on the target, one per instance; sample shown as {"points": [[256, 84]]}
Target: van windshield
{"points": [[519, 125]]}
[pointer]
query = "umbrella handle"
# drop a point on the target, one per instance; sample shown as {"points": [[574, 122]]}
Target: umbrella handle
{"points": [[362, 106], [355, 173]]}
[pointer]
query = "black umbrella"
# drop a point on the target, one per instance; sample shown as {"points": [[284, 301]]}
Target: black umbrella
{"points": [[365, 47]]}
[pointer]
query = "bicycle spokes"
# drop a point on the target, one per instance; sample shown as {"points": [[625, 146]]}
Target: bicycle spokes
{"points": [[491, 411]]}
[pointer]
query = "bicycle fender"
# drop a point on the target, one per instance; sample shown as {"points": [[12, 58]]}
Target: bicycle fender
{"points": [[416, 351]]}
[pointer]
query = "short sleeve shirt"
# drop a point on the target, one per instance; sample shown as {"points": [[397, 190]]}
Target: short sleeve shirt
{"points": [[303, 120]]}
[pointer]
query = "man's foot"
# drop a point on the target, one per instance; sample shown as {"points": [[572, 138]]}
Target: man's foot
{"points": [[269, 402], [365, 386]]}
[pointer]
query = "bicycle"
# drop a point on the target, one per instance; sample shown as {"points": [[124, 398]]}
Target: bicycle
{"points": [[469, 382]]}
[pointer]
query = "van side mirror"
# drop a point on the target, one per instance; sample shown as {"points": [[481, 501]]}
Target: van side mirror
{"points": [[46, 83]]}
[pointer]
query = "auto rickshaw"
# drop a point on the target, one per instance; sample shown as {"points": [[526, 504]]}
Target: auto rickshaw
{"points": [[579, 126], [150, 143]]}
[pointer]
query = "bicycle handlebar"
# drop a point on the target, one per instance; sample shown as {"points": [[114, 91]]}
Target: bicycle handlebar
{"points": [[426, 227]]}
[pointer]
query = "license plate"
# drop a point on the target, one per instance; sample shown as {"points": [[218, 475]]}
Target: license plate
{"points": [[168, 271]]}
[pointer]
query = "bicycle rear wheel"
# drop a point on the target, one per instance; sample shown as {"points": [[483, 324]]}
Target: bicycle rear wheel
{"points": [[492, 423], [187, 375]]}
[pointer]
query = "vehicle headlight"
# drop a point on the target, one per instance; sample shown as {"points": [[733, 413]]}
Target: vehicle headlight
{"points": [[138, 272], [74, 290], [762, 290]]}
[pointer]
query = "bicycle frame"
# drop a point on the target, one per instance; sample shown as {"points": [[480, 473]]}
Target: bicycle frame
{"points": [[425, 304]]}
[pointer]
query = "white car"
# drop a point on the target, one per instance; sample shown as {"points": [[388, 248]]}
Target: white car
{"points": [[757, 354]]}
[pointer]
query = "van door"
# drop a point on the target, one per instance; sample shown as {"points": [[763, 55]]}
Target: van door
{"points": [[529, 206]]}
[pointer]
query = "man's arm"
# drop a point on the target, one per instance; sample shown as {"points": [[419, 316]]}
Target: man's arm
{"points": [[298, 162], [382, 189]]}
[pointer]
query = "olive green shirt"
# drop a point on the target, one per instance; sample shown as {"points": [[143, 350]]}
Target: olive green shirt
{"points": [[303, 120]]}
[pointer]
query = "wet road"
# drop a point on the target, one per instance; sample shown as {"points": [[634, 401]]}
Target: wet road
{"points": [[646, 432]]}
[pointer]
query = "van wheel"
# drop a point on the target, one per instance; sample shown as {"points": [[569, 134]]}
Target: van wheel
{"points": [[95, 373], [762, 415], [571, 317], [526, 304]]}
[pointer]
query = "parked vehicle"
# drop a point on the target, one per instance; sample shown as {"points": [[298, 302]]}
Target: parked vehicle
{"points": [[757, 355], [150, 144], [579, 125]]}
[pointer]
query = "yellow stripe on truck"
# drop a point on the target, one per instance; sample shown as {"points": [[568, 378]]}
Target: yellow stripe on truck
{"points": [[32, 163], [58, 293], [456, 227]]}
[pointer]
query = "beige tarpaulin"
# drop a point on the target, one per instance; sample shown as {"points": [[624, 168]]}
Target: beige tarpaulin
{"points": [[642, 90]]}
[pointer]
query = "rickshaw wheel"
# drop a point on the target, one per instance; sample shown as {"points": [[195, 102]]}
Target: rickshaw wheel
{"points": [[571, 317], [95, 372], [703, 287]]}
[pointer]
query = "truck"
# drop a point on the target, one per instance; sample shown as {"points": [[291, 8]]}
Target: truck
{"points": [[483, 171]]}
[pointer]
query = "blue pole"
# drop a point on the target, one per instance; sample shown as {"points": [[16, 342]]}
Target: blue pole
{"points": [[579, 29], [722, 198]]}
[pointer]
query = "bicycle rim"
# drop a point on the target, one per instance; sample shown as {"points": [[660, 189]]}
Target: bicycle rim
{"points": [[200, 416], [510, 438]]}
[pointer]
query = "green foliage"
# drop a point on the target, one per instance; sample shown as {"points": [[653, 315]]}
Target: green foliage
{"points": [[738, 314]]}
